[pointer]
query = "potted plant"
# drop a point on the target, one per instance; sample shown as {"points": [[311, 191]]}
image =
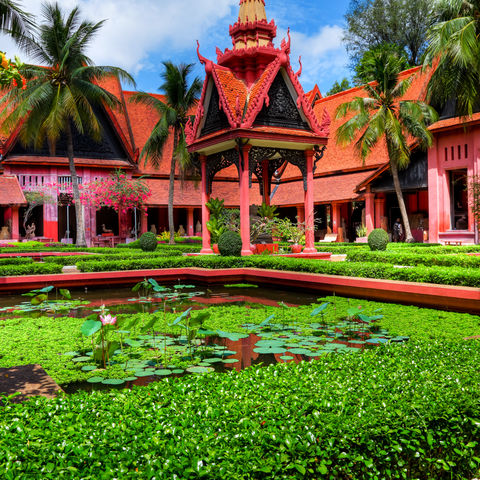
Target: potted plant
{"points": [[291, 232], [362, 233]]}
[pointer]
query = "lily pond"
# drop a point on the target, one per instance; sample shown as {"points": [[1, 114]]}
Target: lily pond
{"points": [[141, 335]]}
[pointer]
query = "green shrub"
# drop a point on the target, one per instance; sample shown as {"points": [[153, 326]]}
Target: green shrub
{"points": [[378, 239], [33, 268], [148, 242], [230, 244], [394, 412]]}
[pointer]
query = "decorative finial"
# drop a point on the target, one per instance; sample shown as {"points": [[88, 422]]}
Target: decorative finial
{"points": [[299, 73]]}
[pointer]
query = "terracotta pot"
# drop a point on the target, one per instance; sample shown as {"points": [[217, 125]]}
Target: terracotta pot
{"points": [[296, 248], [215, 248]]}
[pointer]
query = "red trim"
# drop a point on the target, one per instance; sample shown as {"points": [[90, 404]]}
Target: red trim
{"points": [[424, 294]]}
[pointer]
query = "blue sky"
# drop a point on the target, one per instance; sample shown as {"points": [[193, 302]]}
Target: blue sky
{"points": [[139, 34]]}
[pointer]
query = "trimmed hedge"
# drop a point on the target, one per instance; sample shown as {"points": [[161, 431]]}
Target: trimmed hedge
{"points": [[33, 268], [438, 275], [396, 412], [15, 260], [413, 259]]}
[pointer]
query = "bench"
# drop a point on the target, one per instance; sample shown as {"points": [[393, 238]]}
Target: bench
{"points": [[456, 243], [329, 238]]}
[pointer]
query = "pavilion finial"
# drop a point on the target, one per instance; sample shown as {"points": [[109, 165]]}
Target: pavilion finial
{"points": [[251, 11]]}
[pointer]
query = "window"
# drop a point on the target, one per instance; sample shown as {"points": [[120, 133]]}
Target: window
{"points": [[31, 180], [459, 152], [446, 154], [466, 151], [65, 182], [459, 199]]}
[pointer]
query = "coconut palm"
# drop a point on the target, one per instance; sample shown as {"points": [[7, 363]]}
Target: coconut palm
{"points": [[454, 49], [383, 117], [13, 20], [60, 97], [174, 113]]}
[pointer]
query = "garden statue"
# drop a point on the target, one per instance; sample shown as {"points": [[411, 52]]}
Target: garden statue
{"points": [[153, 229], [106, 230], [181, 231], [30, 231], [4, 233], [198, 228]]}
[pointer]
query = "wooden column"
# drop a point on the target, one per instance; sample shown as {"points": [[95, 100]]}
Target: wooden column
{"points": [[266, 182], [245, 199], [369, 211], [15, 233], [206, 247], [309, 206], [190, 225], [336, 220], [379, 211]]}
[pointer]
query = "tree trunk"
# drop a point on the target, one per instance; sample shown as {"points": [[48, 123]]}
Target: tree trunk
{"points": [[171, 189], [401, 203], [81, 241]]}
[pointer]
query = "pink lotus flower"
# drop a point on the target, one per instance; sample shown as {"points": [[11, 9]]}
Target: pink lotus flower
{"points": [[108, 319]]}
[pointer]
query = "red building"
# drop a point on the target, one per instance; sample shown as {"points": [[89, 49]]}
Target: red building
{"points": [[251, 92]]}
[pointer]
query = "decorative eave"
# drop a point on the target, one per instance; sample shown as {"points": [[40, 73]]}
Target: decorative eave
{"points": [[258, 136]]}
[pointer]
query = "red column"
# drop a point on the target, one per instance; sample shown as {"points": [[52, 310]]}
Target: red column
{"points": [[245, 200], [370, 211], [301, 213], [144, 222], [206, 248], [336, 220], [266, 182], [309, 206], [15, 224], [379, 211], [190, 225]]}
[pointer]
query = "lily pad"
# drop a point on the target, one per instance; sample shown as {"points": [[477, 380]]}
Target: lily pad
{"points": [[81, 359], [286, 357], [178, 371], [130, 379], [163, 372], [230, 360], [95, 380], [89, 368], [299, 351], [212, 360], [269, 351], [113, 381], [269, 343]]}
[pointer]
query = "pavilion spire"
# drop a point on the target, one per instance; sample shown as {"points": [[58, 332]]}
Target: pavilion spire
{"points": [[252, 28]]}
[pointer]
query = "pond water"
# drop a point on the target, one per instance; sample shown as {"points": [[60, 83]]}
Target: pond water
{"points": [[146, 356]]}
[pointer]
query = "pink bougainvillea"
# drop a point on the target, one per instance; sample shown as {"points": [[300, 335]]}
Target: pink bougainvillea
{"points": [[117, 191]]}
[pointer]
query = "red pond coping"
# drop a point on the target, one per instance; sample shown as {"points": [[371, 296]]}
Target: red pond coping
{"points": [[464, 299]]}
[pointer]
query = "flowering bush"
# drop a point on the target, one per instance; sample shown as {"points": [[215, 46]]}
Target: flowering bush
{"points": [[117, 191], [9, 74]]}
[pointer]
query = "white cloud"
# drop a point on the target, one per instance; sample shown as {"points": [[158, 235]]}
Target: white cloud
{"points": [[135, 30], [323, 55]]}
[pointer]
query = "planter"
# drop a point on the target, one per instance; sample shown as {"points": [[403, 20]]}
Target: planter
{"points": [[361, 240], [266, 247], [296, 248]]}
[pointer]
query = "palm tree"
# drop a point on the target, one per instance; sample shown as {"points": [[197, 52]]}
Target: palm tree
{"points": [[454, 48], [383, 116], [60, 97], [174, 113], [13, 20]]}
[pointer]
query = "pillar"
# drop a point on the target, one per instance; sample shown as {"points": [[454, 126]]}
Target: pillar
{"points": [[309, 206], [266, 182], [336, 219], [245, 199], [143, 223], [300, 213], [190, 225], [370, 211], [379, 211], [433, 193], [206, 248], [15, 223]]}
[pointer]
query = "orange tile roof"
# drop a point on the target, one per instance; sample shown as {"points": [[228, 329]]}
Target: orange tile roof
{"points": [[455, 122], [79, 162], [10, 191], [345, 158]]}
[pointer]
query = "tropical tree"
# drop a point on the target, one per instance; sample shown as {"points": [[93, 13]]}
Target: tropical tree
{"points": [[174, 113], [60, 96], [454, 48], [13, 20], [382, 116]]}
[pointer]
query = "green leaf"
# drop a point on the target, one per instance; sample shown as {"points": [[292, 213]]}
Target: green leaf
{"points": [[65, 293], [319, 309], [90, 327], [39, 299], [184, 315]]}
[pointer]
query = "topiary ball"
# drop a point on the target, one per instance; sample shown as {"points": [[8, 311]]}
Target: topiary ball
{"points": [[230, 244], [378, 240], [148, 242]]}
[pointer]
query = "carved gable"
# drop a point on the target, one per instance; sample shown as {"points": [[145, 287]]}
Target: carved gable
{"points": [[282, 110], [109, 147], [216, 119]]}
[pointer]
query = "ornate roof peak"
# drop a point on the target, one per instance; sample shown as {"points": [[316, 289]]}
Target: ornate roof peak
{"points": [[251, 11]]}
